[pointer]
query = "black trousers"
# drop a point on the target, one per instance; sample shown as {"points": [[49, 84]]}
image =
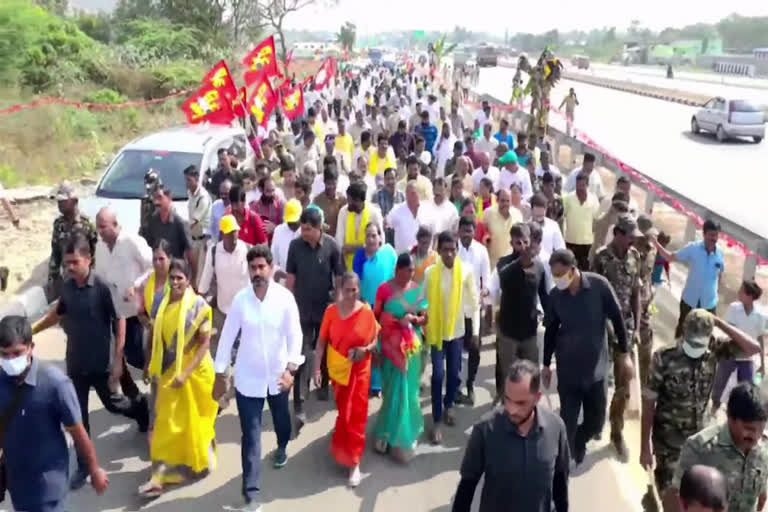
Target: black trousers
{"points": [[593, 399], [473, 362], [310, 331], [582, 255], [115, 403], [684, 310]]}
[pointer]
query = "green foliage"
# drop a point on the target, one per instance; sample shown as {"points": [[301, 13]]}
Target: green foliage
{"points": [[144, 41], [347, 35], [58, 7], [206, 16], [96, 26], [105, 96]]}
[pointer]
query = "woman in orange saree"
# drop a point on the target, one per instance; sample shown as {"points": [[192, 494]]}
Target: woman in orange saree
{"points": [[349, 331]]}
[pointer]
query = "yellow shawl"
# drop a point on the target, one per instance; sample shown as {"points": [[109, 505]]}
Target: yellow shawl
{"points": [[479, 205], [440, 327], [184, 332], [373, 162], [354, 236], [149, 293]]}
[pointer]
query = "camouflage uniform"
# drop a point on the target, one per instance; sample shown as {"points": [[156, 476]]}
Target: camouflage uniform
{"points": [[623, 274], [62, 231], [647, 257], [745, 474], [680, 386]]}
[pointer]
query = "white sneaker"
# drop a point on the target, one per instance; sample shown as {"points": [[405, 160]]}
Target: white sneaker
{"points": [[354, 476], [253, 506]]}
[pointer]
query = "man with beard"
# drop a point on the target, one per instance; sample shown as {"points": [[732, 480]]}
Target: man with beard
{"points": [[522, 451]]}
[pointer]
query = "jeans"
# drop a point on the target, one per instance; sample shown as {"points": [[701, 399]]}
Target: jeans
{"points": [[310, 331], [744, 372], [450, 358], [249, 410], [115, 403], [593, 399]]}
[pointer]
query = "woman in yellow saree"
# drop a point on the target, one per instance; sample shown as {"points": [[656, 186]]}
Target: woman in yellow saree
{"points": [[182, 445]]}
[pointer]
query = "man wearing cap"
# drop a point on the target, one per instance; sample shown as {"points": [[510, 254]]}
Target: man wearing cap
{"points": [[284, 234], [225, 264], [511, 173], [679, 384], [619, 263], [69, 222], [603, 225], [198, 213]]}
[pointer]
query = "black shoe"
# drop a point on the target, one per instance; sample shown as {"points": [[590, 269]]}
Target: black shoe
{"points": [[279, 458], [322, 394], [579, 454], [4, 272], [466, 399], [78, 479], [300, 419], [143, 420]]}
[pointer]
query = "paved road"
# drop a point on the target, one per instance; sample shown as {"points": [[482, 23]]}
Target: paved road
{"points": [[701, 83], [654, 136]]}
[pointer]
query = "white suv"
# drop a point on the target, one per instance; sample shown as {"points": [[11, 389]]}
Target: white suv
{"points": [[730, 118], [168, 152]]}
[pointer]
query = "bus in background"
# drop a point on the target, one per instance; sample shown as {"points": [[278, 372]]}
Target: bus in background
{"points": [[375, 55], [487, 55]]}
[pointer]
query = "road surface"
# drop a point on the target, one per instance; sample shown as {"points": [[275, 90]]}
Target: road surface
{"points": [[654, 137]]}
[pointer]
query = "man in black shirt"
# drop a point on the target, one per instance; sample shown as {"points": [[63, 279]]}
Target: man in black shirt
{"points": [[166, 224], [314, 269], [578, 308], [522, 451], [90, 323], [225, 171], [522, 286]]}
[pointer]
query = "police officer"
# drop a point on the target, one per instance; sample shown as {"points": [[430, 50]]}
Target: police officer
{"points": [[70, 221], [619, 263], [647, 250], [151, 182], [737, 448], [679, 384]]}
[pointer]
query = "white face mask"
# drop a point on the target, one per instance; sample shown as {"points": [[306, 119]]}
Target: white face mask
{"points": [[695, 347], [16, 366], [563, 282]]}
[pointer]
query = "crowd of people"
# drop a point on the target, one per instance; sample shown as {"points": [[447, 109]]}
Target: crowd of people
{"points": [[384, 233]]}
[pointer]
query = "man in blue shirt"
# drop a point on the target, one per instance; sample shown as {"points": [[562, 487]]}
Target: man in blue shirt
{"points": [[504, 135], [428, 131], [705, 266], [36, 399]]}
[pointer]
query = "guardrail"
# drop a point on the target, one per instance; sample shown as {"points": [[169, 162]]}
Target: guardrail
{"points": [[753, 245]]}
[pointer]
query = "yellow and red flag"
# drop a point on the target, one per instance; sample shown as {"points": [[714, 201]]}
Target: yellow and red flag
{"points": [[293, 102], [261, 61], [262, 101], [209, 104], [220, 79], [238, 105]]}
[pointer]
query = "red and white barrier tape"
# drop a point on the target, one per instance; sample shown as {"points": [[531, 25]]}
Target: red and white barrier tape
{"points": [[50, 100]]}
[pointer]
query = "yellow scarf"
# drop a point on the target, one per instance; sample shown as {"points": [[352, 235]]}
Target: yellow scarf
{"points": [[149, 293], [441, 328], [355, 237], [479, 206], [182, 335], [373, 162]]}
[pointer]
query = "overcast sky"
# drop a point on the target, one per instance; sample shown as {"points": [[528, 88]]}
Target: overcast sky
{"points": [[497, 15]]}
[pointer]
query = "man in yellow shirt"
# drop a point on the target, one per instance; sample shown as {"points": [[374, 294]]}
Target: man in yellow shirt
{"points": [[580, 209], [498, 220], [344, 144], [315, 125], [423, 185]]}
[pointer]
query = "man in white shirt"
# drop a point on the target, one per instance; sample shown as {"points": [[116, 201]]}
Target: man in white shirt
{"points": [[486, 143], [486, 170], [546, 166], [594, 182], [199, 214], [551, 236], [483, 116], [358, 127], [405, 218], [267, 318], [308, 151], [623, 184], [283, 235], [123, 261], [433, 108], [446, 341], [445, 214], [473, 254], [511, 173], [743, 314], [358, 207]]}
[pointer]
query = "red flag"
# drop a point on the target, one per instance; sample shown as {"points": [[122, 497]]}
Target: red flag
{"points": [[260, 61], [324, 74], [262, 101], [307, 81], [293, 102], [285, 87], [208, 104], [220, 79], [288, 59], [238, 105]]}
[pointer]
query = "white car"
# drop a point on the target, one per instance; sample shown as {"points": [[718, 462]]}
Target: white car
{"points": [[730, 118], [168, 152]]}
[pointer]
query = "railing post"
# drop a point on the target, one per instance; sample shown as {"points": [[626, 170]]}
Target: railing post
{"points": [[750, 261], [690, 230], [650, 199]]}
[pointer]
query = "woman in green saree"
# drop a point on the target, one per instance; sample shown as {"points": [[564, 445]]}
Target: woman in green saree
{"points": [[401, 310]]}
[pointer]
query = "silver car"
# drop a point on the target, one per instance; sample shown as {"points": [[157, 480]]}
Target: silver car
{"points": [[730, 118]]}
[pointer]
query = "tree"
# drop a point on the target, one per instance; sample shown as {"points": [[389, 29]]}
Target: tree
{"points": [[272, 13], [58, 7], [440, 49], [243, 20], [347, 35]]}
